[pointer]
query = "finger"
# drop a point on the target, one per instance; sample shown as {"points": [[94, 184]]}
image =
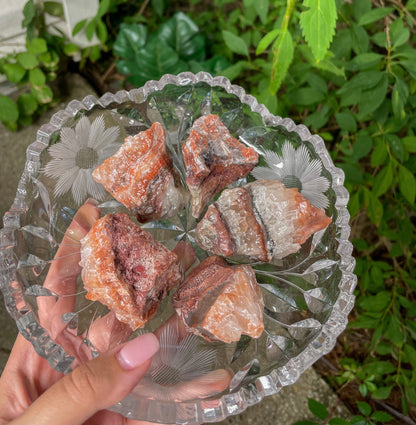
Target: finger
{"points": [[96, 385]]}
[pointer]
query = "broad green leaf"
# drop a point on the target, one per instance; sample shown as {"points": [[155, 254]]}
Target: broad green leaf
{"points": [[306, 96], [29, 12], [71, 49], [364, 408], [328, 65], [382, 393], [399, 34], [14, 72], [411, 5], [282, 58], [131, 38], [381, 416], [380, 39], [346, 121], [338, 421], [379, 154], [266, 41], [383, 180], [407, 184], [54, 8], [27, 104], [27, 60], [374, 303], [362, 80], [90, 29], [375, 209], [399, 97], [101, 31], [79, 26], [364, 61], [409, 143], [8, 110], [362, 145], [37, 77], [262, 9], [43, 95], [360, 40], [374, 15], [360, 8], [318, 25], [373, 98], [354, 204], [341, 45], [158, 6], [103, 8], [317, 408], [182, 34], [235, 43], [37, 46], [234, 71], [396, 146]]}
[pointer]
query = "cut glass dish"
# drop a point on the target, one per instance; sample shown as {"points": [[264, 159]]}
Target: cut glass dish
{"points": [[308, 295]]}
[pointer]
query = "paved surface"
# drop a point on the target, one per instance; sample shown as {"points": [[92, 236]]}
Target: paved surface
{"points": [[285, 408]]}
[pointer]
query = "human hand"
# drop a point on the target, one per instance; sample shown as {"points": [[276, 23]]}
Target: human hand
{"points": [[31, 392]]}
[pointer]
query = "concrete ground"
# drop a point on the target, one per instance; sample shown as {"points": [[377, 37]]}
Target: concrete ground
{"points": [[287, 407]]}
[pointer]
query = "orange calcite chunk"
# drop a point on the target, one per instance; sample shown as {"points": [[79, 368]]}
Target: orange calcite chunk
{"points": [[124, 268], [221, 302], [213, 159], [141, 176], [261, 221]]}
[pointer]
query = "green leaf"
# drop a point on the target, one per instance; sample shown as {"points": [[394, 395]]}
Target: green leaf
{"points": [[346, 121], [101, 31], [371, 99], [37, 77], [379, 154], [318, 25], [383, 180], [359, 38], [8, 110], [235, 43], [409, 143], [338, 421], [27, 60], [375, 209], [379, 368], [282, 58], [27, 104], [266, 41], [90, 29], [131, 38], [411, 5], [37, 46], [362, 80], [362, 145], [398, 33], [407, 184], [374, 15], [158, 6], [71, 49], [360, 8], [182, 34], [399, 97], [14, 72], [381, 416], [382, 393], [43, 95], [374, 303], [79, 26], [364, 408], [305, 423], [363, 389], [53, 8], [29, 12], [328, 65], [234, 71], [364, 61], [103, 8], [262, 9], [317, 408]]}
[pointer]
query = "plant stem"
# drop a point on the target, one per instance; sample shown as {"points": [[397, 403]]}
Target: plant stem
{"points": [[290, 5]]}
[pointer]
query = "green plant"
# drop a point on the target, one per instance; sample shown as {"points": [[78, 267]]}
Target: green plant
{"points": [[175, 47]]}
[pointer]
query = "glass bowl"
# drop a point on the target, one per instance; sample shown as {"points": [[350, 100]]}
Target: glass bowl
{"points": [[308, 295]]}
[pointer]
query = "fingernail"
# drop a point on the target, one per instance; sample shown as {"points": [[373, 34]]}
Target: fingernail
{"points": [[91, 201], [137, 351]]}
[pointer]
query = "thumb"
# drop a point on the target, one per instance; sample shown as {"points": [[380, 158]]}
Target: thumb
{"points": [[93, 386]]}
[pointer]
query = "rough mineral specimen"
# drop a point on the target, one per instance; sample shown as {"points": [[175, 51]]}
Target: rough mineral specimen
{"points": [[213, 159], [262, 221], [125, 269], [220, 302], [141, 176]]}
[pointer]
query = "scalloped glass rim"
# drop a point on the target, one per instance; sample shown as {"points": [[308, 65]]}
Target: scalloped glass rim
{"points": [[197, 411]]}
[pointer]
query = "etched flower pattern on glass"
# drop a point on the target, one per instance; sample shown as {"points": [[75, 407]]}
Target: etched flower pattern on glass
{"points": [[78, 153]]}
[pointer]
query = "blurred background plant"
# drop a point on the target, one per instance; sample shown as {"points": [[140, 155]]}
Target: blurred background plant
{"points": [[344, 68]]}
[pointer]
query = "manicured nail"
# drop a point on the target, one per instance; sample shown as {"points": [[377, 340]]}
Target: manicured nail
{"points": [[137, 351]]}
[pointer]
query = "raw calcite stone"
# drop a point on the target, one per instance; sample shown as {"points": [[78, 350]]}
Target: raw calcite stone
{"points": [[213, 159], [261, 221], [221, 302], [125, 269], [141, 176]]}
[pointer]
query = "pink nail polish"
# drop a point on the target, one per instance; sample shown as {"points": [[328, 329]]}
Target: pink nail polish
{"points": [[137, 351]]}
